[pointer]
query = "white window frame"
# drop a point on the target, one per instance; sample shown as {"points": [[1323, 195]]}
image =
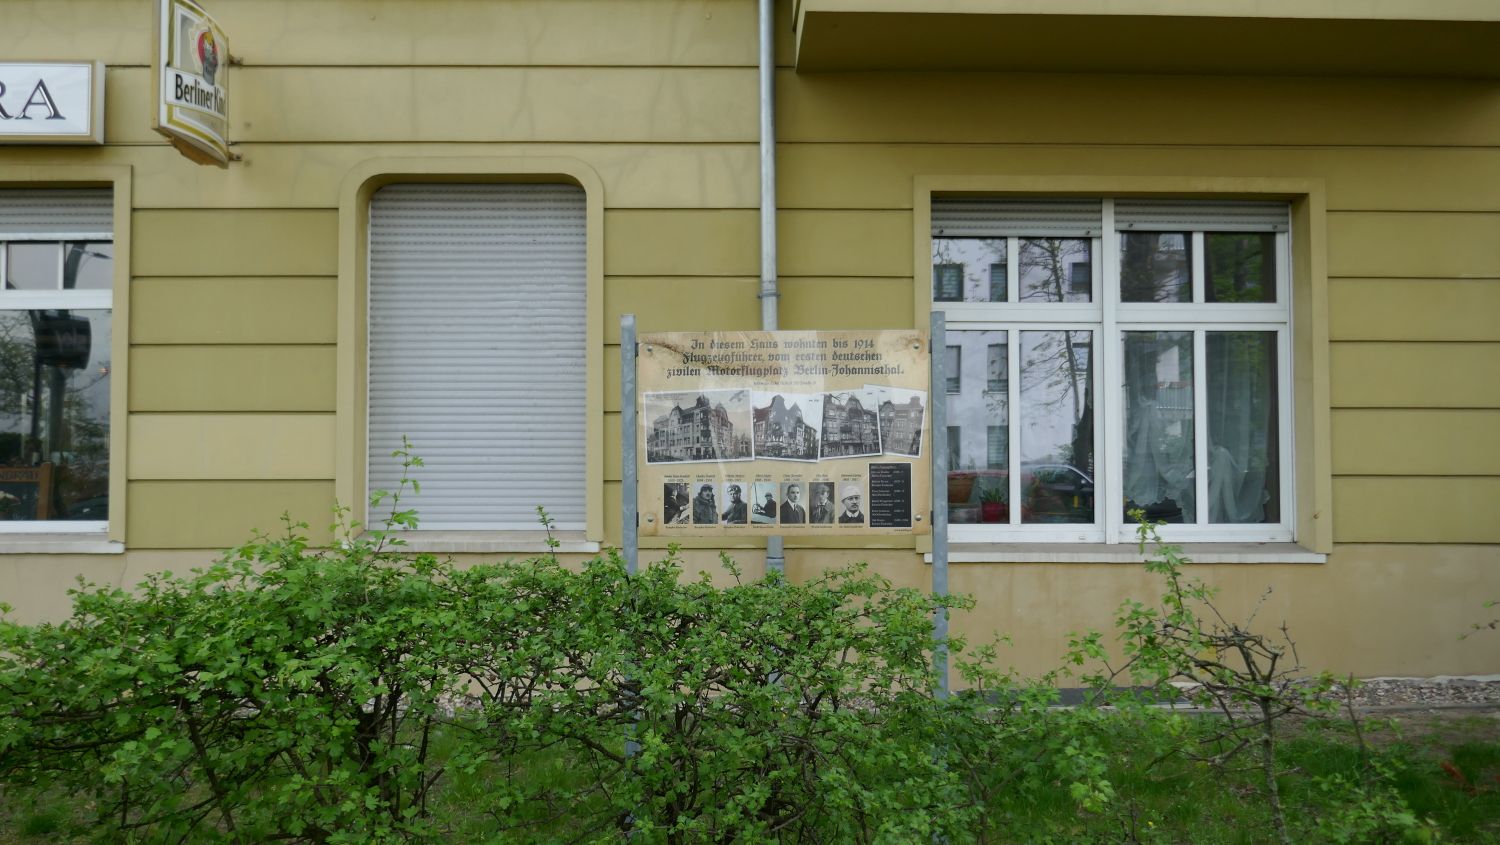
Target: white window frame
{"points": [[1109, 318], [72, 300]]}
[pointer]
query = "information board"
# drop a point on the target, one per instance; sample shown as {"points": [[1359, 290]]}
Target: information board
{"points": [[790, 433]]}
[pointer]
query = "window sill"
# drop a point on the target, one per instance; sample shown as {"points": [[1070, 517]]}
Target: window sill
{"points": [[495, 542], [59, 544], [1126, 553]]}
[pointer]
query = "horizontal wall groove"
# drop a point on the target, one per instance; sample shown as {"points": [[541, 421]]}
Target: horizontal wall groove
{"points": [[1143, 145], [175, 412], [1337, 407], [485, 66], [1434, 342], [1414, 476], [231, 346]]}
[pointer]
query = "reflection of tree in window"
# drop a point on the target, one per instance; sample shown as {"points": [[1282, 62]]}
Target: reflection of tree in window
{"points": [[1046, 270], [1057, 387], [1240, 266], [1155, 267]]}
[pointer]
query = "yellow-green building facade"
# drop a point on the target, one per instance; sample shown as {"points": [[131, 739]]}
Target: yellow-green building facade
{"points": [[240, 352]]}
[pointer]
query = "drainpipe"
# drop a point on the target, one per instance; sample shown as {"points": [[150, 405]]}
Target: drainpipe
{"points": [[769, 295]]}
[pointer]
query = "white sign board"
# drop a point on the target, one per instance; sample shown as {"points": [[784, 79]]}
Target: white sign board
{"points": [[192, 59], [51, 103]]}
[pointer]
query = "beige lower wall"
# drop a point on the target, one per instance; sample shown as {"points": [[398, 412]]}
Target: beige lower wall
{"points": [[1371, 610]]}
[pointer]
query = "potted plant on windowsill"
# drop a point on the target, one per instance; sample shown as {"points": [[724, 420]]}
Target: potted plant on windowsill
{"points": [[993, 505]]}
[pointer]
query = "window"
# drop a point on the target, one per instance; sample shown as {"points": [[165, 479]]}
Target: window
{"points": [[477, 350], [57, 263], [1138, 361]]}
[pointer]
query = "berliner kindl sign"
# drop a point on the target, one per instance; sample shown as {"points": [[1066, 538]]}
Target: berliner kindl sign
{"points": [[192, 56], [51, 102]]}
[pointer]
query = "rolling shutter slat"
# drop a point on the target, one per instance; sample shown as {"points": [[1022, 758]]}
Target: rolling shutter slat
{"points": [[81, 213]]}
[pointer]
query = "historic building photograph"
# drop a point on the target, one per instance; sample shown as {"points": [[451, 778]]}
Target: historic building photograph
{"points": [[783, 430], [850, 425], [694, 427], [901, 413]]}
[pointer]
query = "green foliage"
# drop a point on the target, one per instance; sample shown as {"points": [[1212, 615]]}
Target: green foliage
{"points": [[362, 693], [329, 695]]}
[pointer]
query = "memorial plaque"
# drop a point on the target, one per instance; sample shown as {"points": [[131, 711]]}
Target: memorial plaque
{"points": [[783, 433]]}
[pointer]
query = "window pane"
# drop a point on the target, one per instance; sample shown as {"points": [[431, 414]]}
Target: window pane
{"points": [[997, 447], [1057, 427], [980, 420], [968, 269], [1241, 266], [1155, 267], [1056, 270], [997, 370], [953, 369], [54, 415], [1243, 476], [88, 266], [33, 266], [1158, 469]]}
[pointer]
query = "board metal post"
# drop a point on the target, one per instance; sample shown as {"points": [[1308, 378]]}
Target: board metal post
{"points": [[939, 462]]}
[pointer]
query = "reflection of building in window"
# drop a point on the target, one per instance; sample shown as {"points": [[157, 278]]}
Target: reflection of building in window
{"points": [[955, 435], [1078, 278], [781, 432], [55, 356], [901, 426], [996, 371], [699, 432], [954, 366], [848, 428], [1199, 409], [995, 446]]}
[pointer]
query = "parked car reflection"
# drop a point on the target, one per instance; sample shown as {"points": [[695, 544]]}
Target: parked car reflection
{"points": [[1050, 493]]}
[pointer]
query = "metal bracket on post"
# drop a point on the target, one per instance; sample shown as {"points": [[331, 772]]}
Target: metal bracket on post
{"points": [[630, 522], [939, 403]]}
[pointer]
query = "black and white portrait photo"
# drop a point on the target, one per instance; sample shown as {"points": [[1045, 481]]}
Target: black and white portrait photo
{"points": [[676, 508]]}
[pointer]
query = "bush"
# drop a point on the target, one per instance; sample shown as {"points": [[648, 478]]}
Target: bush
{"points": [[327, 695]]}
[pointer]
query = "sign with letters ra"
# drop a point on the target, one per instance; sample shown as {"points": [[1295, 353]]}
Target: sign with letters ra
{"points": [[51, 102], [192, 57]]}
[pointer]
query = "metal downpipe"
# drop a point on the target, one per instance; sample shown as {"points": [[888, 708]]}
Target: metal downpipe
{"points": [[769, 293]]}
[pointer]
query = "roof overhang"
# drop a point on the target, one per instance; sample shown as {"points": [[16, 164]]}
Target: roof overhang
{"points": [[1434, 38]]}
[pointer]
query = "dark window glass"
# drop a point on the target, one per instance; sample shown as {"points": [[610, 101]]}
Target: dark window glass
{"points": [[1155, 267], [1241, 266], [54, 415]]}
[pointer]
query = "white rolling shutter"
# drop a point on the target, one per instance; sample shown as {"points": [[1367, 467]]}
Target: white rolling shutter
{"points": [[1208, 215], [56, 214], [477, 351], [1038, 218]]}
